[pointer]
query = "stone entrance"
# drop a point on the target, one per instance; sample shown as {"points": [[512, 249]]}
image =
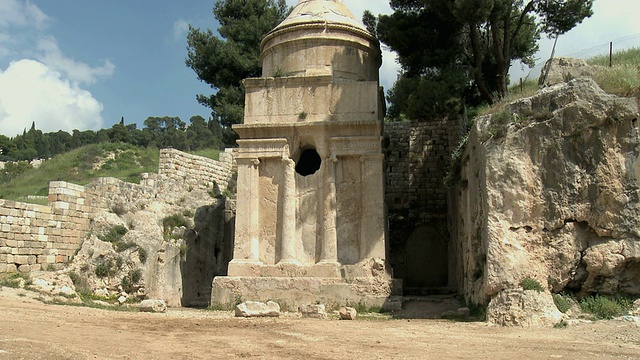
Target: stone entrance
{"points": [[310, 213]]}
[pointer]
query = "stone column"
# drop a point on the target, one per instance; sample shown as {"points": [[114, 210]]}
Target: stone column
{"points": [[246, 243], [289, 206], [329, 246], [254, 217], [372, 234]]}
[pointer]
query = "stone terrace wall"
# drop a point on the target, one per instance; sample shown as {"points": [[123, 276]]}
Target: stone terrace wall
{"points": [[35, 236], [196, 171], [32, 237], [418, 156]]}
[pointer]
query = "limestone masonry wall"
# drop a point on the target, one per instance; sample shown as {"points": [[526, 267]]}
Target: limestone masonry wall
{"points": [[417, 159], [196, 171], [33, 237]]}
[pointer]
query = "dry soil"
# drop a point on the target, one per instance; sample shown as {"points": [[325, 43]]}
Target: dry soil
{"points": [[32, 330]]}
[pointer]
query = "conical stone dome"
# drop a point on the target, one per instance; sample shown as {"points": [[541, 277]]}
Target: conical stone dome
{"points": [[321, 37]]}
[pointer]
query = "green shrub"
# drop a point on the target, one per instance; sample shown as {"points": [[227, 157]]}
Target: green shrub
{"points": [[500, 123], [563, 302], [107, 268], [130, 281], [531, 284], [142, 255], [173, 221], [605, 307], [102, 270], [14, 280], [114, 234]]}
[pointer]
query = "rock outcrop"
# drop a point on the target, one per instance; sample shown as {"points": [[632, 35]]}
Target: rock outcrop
{"points": [[549, 189], [168, 247], [562, 69]]}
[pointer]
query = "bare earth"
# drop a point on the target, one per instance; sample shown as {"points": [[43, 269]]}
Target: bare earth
{"points": [[33, 330]]}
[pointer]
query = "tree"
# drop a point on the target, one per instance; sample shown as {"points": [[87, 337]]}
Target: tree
{"points": [[223, 62], [473, 42]]}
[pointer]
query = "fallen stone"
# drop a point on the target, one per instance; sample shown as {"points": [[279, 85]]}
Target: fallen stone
{"points": [[122, 299], [347, 313], [316, 311], [527, 308], [258, 309], [152, 305]]}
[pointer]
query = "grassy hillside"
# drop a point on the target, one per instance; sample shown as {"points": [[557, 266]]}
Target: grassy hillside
{"points": [[80, 166], [623, 79]]}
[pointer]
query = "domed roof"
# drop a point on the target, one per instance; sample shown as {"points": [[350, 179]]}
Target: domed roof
{"points": [[321, 11]]}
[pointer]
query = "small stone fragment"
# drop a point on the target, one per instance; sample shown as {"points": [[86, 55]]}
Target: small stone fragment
{"points": [[316, 311], [348, 313], [122, 299], [153, 305], [258, 309], [464, 311]]}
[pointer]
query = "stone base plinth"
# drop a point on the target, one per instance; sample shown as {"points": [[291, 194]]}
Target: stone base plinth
{"points": [[292, 292], [283, 270]]}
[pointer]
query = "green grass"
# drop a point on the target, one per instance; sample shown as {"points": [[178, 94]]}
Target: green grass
{"points": [[622, 79], [13, 280], [563, 302], [605, 307], [531, 284], [208, 153], [77, 166]]}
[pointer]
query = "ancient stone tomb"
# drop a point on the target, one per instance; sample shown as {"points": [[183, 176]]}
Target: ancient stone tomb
{"points": [[310, 216]]}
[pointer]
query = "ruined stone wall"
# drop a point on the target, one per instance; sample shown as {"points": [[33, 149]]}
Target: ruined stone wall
{"points": [[196, 171], [32, 237], [417, 158]]}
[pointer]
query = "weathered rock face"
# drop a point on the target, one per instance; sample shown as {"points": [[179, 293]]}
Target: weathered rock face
{"points": [[173, 263], [526, 308], [560, 70], [552, 194]]}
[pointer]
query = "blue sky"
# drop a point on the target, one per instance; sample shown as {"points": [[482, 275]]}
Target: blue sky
{"points": [[70, 64]]}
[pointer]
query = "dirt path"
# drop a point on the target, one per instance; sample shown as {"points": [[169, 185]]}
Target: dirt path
{"points": [[32, 330]]}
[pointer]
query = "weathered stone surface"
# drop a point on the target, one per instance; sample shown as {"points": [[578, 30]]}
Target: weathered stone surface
{"points": [[519, 307], [347, 313], [635, 309], [258, 309], [316, 311], [153, 305], [562, 69], [556, 198]]}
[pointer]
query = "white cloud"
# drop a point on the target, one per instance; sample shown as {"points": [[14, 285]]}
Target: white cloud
{"points": [[31, 91], [76, 71], [21, 14], [180, 28]]}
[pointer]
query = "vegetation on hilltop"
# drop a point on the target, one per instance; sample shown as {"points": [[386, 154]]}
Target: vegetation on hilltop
{"points": [[80, 166], [158, 132], [623, 77]]}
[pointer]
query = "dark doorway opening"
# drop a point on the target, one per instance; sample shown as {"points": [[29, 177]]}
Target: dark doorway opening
{"points": [[308, 163]]}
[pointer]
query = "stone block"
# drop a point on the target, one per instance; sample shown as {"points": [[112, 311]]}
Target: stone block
{"points": [[316, 311], [257, 309], [347, 313], [24, 268], [152, 305], [21, 259]]}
